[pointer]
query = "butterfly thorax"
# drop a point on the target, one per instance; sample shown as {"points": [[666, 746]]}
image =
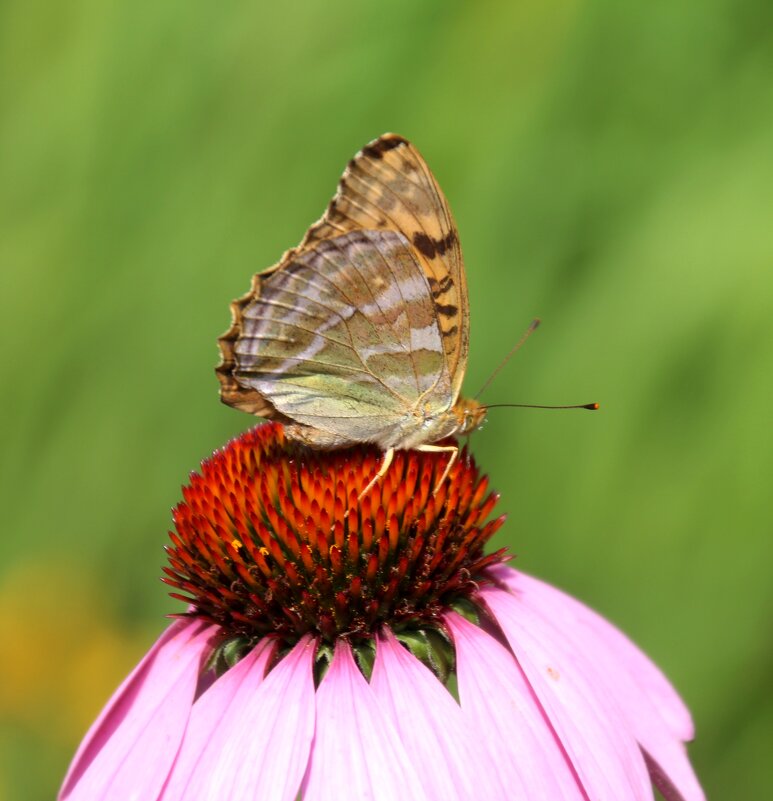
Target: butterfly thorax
{"points": [[465, 416]]}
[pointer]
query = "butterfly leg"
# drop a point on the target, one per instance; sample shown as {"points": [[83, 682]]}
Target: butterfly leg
{"points": [[388, 456], [452, 449]]}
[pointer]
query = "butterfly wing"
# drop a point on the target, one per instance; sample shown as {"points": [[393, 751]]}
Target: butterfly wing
{"points": [[344, 338], [387, 186]]}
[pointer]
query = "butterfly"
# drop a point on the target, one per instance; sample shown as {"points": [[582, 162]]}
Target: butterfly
{"points": [[360, 334]]}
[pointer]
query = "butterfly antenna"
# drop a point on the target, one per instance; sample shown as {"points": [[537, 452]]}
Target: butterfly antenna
{"points": [[518, 345], [590, 406]]}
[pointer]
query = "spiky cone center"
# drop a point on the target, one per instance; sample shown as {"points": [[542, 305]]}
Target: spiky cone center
{"points": [[271, 538]]}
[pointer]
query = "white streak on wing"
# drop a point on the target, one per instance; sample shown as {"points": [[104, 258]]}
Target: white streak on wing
{"points": [[427, 338], [316, 345], [389, 296]]}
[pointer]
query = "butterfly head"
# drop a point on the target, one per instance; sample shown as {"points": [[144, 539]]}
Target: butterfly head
{"points": [[469, 414]]}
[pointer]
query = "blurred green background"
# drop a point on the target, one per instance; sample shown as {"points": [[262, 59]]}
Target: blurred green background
{"points": [[610, 166]]}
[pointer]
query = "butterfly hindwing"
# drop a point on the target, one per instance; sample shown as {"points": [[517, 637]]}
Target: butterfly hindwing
{"points": [[344, 337]]}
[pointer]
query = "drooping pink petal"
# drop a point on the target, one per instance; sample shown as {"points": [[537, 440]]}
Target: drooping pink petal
{"points": [[226, 694], [130, 749], [588, 722], [260, 745], [665, 781], [502, 711], [115, 710], [432, 727], [357, 753], [623, 653], [664, 754]]}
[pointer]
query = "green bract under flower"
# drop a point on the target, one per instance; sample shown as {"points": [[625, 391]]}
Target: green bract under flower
{"points": [[272, 539]]}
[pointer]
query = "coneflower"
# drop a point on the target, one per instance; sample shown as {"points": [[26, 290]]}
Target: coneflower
{"points": [[343, 648]]}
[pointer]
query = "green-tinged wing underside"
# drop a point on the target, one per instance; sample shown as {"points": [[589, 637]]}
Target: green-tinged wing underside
{"points": [[345, 338]]}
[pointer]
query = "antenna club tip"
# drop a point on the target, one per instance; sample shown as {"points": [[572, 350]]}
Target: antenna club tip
{"points": [[593, 407], [535, 323]]}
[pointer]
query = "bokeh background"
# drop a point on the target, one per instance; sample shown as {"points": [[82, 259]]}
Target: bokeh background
{"points": [[610, 166]]}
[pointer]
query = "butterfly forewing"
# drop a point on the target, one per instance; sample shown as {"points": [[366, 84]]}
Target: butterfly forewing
{"points": [[388, 185], [344, 338]]}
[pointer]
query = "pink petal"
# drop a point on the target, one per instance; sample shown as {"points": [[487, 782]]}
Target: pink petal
{"points": [[587, 721], [259, 744], [357, 753], [624, 655], [501, 709], [226, 694], [671, 785], [130, 748], [663, 752], [432, 728]]}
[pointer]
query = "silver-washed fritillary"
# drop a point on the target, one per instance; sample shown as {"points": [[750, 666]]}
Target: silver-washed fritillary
{"points": [[360, 334]]}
